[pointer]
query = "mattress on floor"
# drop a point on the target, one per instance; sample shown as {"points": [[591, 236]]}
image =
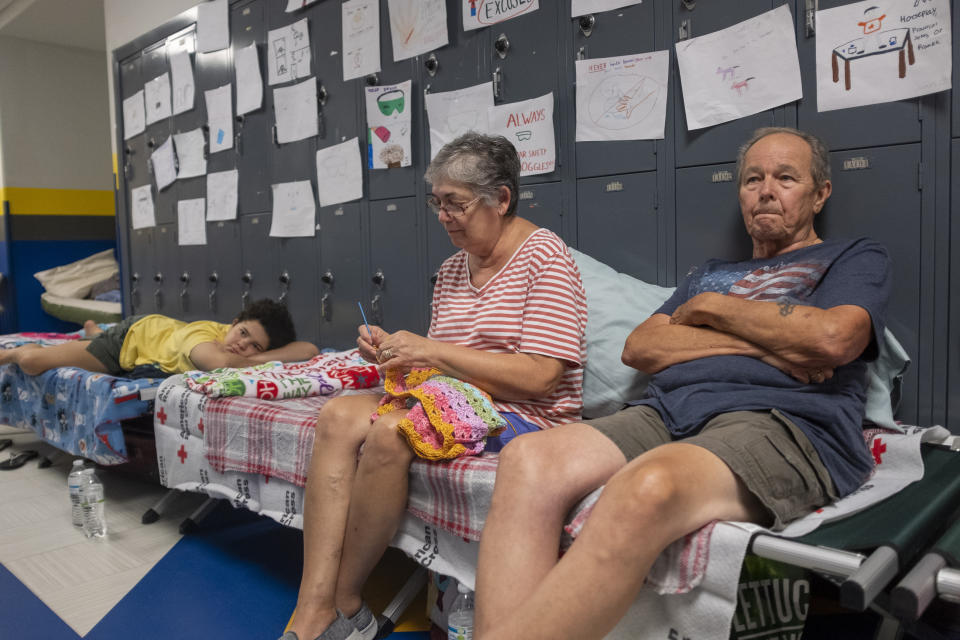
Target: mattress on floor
{"points": [[72, 409]]}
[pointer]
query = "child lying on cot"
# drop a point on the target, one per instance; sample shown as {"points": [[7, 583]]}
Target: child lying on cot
{"points": [[260, 333]]}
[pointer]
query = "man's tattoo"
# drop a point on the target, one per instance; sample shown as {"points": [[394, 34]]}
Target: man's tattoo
{"points": [[786, 307]]}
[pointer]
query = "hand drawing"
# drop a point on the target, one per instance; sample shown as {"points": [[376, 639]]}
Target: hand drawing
{"points": [[739, 86], [873, 42], [871, 23], [621, 101], [727, 71]]}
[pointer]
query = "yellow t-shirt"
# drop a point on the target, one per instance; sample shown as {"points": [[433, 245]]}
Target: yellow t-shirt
{"points": [[166, 342]]}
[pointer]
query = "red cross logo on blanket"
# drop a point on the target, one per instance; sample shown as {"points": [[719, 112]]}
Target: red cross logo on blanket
{"points": [[182, 454], [200, 425], [162, 415], [878, 450]]}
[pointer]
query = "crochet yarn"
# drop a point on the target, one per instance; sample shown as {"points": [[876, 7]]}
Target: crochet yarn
{"points": [[446, 418]]}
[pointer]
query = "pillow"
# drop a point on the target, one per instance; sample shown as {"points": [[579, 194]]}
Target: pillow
{"points": [[885, 382], [74, 280], [616, 304]]}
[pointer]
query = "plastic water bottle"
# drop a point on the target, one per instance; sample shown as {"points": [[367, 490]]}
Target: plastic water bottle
{"points": [[91, 502], [73, 486], [460, 620]]}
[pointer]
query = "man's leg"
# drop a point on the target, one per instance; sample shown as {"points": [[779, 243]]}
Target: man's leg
{"points": [[540, 477], [342, 426], [657, 498], [35, 359]]}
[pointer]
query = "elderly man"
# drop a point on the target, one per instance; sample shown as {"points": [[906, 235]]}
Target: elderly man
{"points": [[753, 413]]}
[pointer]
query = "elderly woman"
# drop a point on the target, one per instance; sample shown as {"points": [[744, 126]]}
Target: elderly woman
{"points": [[509, 313]]}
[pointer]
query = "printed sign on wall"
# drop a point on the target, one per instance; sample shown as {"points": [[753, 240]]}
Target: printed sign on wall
{"points": [[529, 126]]}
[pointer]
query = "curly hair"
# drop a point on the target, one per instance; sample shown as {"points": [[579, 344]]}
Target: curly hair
{"points": [[275, 319]]}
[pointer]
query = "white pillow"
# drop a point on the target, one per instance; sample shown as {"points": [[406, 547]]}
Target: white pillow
{"points": [[617, 303], [74, 280]]}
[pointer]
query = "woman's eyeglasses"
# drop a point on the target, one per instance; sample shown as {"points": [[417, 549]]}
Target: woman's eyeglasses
{"points": [[452, 208]]}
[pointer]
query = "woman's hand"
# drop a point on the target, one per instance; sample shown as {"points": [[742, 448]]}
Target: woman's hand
{"points": [[367, 343], [405, 350]]}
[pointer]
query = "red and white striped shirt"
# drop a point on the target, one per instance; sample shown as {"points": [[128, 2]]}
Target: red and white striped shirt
{"points": [[534, 304]]}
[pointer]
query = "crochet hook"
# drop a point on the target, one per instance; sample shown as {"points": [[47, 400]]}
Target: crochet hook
{"points": [[364, 316]]}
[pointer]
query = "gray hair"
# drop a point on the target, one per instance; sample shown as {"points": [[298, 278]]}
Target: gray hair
{"points": [[819, 154], [480, 162]]}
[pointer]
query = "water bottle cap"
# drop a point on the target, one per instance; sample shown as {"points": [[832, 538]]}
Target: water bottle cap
{"points": [[462, 588]]}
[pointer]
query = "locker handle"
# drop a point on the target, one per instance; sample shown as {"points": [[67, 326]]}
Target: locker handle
{"points": [[212, 297], [134, 289], [689, 5], [325, 307], [502, 45], [497, 84], [372, 80], [587, 23], [285, 286], [185, 280], [274, 134], [247, 277], [238, 137], [432, 64], [322, 95], [244, 299], [158, 277], [378, 278], [810, 20], [376, 309], [327, 278]]}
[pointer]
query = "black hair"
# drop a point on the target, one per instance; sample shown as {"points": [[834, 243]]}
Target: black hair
{"points": [[275, 319]]}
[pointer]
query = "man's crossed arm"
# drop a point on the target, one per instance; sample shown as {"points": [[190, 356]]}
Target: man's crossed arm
{"points": [[805, 342]]}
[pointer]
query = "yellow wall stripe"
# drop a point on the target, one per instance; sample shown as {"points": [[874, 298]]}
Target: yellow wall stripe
{"points": [[58, 202]]}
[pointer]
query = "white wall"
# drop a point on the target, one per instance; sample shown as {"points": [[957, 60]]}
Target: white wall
{"points": [[55, 124], [126, 20]]}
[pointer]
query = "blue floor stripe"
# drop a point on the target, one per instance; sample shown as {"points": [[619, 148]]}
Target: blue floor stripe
{"points": [[25, 617]]}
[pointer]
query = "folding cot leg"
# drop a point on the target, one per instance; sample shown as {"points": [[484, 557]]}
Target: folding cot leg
{"points": [[153, 513], [388, 620], [917, 590], [192, 523], [863, 585]]}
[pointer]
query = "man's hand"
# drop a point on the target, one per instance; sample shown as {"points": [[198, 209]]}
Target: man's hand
{"points": [[805, 376], [693, 312]]}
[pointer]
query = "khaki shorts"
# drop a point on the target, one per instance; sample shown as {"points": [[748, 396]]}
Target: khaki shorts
{"points": [[106, 346], [769, 453]]}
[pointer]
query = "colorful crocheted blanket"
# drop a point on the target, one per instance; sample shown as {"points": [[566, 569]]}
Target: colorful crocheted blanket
{"points": [[323, 375], [446, 418]]}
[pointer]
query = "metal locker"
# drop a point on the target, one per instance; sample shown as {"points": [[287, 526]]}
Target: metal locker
{"points": [[873, 125], [133, 161], [396, 297], [296, 282], [953, 342], [185, 41], [251, 134], [290, 161], [602, 35], [618, 222], [164, 281], [524, 54], [402, 181], [188, 277], [862, 198], [341, 274], [217, 288], [543, 205], [464, 62], [154, 64], [258, 259], [213, 70], [140, 270], [956, 74], [338, 99], [439, 247], [718, 143], [708, 220]]}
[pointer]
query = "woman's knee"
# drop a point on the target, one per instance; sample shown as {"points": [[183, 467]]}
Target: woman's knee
{"points": [[385, 443], [340, 422]]}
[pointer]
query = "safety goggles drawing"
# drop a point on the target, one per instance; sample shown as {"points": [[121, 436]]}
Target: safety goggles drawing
{"points": [[391, 102]]}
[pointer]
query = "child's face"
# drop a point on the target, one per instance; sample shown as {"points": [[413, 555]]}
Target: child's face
{"points": [[246, 338]]}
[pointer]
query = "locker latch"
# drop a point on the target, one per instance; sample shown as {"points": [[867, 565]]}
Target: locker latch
{"points": [[325, 310], [587, 23], [432, 64], [497, 84], [501, 45], [134, 290], [810, 17], [247, 279], [212, 297], [284, 286], [184, 283], [683, 31], [689, 5], [157, 294]]}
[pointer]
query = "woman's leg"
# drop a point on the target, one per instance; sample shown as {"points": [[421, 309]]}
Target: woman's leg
{"points": [[376, 509], [540, 477], [35, 359], [342, 426]]}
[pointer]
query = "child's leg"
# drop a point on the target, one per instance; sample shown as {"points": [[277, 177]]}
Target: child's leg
{"points": [[91, 329], [35, 359]]}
